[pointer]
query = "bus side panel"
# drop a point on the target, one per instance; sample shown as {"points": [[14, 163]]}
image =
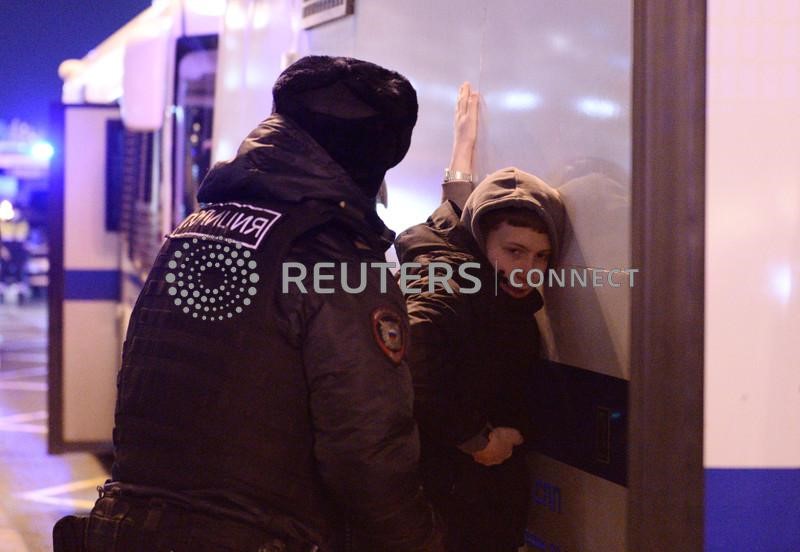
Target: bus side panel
{"points": [[89, 285], [752, 277], [555, 79]]}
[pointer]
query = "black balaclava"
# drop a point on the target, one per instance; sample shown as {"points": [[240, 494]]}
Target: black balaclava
{"points": [[359, 112]]}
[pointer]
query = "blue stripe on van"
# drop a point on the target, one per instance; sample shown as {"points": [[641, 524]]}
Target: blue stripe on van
{"points": [[752, 509], [91, 285]]}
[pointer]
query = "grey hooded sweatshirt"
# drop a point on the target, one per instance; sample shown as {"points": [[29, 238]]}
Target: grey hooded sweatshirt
{"points": [[511, 187]]}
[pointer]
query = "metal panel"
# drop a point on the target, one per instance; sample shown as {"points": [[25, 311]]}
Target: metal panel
{"points": [[753, 261], [666, 399], [752, 394], [579, 512], [87, 244], [91, 360]]}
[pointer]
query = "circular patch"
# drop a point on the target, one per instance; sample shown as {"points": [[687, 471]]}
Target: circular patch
{"points": [[389, 332], [218, 282]]}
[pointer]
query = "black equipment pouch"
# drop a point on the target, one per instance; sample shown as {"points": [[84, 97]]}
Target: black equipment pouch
{"points": [[68, 534]]}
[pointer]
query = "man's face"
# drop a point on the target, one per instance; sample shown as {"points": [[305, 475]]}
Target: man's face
{"points": [[516, 247]]}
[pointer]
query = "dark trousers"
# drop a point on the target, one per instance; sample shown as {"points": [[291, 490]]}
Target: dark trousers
{"points": [[484, 509], [474, 528], [137, 525]]}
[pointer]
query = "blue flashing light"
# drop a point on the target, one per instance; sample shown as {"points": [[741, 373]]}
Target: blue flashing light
{"points": [[42, 151], [6, 210]]}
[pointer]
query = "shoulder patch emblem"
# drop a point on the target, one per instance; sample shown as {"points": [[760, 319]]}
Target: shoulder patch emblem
{"points": [[233, 223], [390, 333]]}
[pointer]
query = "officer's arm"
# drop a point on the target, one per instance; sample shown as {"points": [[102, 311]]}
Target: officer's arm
{"points": [[445, 403], [366, 441]]}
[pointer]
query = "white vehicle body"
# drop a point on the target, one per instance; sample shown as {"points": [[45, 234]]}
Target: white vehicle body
{"points": [[556, 82]]}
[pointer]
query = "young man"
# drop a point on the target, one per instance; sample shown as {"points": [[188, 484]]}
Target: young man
{"points": [[472, 354]]}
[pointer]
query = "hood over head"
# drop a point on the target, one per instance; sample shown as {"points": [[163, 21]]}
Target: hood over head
{"points": [[443, 238], [511, 187]]}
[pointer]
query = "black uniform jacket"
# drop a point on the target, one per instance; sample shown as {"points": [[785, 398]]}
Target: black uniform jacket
{"points": [[357, 460]]}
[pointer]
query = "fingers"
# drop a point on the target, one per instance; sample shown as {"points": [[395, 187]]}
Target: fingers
{"points": [[463, 98], [502, 441], [494, 454], [472, 101], [489, 459], [486, 461], [467, 99], [510, 435]]}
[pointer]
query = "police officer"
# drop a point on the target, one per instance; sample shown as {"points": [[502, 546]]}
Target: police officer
{"points": [[252, 415]]}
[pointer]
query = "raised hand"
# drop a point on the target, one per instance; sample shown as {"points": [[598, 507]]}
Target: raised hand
{"points": [[465, 129]]}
